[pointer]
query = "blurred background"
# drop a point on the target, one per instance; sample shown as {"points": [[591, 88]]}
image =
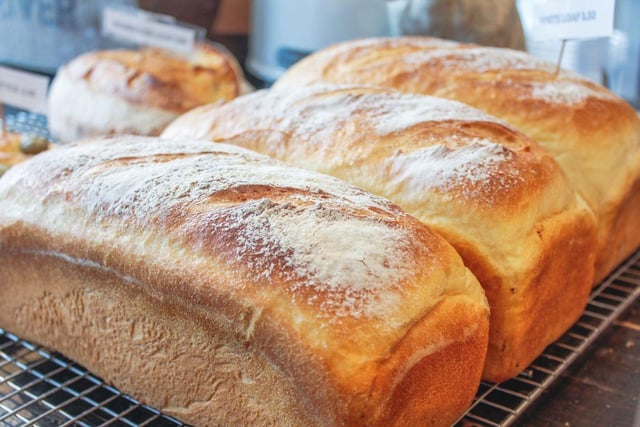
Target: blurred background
{"points": [[267, 36]]}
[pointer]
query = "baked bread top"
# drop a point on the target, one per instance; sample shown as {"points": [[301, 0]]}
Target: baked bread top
{"points": [[323, 278], [159, 79], [592, 133], [408, 145], [119, 92], [502, 201]]}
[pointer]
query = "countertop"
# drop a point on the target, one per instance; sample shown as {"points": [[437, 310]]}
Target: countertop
{"points": [[602, 387]]}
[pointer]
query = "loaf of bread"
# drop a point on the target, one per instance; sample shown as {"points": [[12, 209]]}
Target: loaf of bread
{"points": [[136, 92], [593, 134], [502, 202], [226, 288]]}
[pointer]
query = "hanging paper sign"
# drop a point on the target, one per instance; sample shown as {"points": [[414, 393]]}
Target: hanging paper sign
{"points": [[570, 19], [24, 90], [149, 29]]}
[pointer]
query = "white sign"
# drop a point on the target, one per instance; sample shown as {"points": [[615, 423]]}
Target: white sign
{"points": [[570, 19], [24, 90], [143, 28]]}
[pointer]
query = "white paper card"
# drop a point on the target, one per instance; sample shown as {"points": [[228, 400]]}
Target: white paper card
{"points": [[571, 19], [24, 90], [137, 26]]}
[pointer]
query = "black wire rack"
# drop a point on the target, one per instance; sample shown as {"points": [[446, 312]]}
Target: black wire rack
{"points": [[42, 388], [501, 404]]}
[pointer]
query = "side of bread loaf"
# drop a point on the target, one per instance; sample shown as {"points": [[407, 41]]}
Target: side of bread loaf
{"points": [[593, 134], [501, 201], [136, 92], [225, 288]]}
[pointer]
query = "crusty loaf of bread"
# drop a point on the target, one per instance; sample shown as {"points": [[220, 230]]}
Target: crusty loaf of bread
{"points": [[502, 202], [136, 92], [593, 134], [226, 288]]}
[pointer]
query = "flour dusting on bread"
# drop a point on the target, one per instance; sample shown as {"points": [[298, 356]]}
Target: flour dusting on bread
{"points": [[399, 112], [469, 166], [471, 59], [346, 259], [324, 109], [325, 235], [568, 92]]}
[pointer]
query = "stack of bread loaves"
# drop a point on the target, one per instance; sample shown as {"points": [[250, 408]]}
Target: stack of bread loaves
{"points": [[137, 92], [503, 202], [593, 134], [228, 288]]}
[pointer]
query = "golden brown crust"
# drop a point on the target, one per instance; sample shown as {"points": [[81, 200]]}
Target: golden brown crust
{"points": [[442, 370], [502, 201], [232, 281], [116, 92], [533, 307], [158, 79], [593, 134]]}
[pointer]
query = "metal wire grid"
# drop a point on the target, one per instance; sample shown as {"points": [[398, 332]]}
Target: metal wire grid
{"points": [[501, 404], [43, 388]]}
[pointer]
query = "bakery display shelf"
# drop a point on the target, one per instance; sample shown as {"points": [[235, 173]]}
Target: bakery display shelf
{"points": [[39, 387]]}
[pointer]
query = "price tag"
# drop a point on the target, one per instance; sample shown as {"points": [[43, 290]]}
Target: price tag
{"points": [[149, 29], [570, 19], [24, 90]]}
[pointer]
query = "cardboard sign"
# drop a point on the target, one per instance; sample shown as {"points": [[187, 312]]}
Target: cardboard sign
{"points": [[570, 19], [148, 29], [24, 90]]}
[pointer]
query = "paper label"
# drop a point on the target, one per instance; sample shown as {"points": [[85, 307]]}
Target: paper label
{"points": [[571, 19], [24, 90], [143, 28]]}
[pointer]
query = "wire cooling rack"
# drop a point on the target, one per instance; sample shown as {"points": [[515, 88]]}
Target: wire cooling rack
{"points": [[501, 404], [42, 388]]}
